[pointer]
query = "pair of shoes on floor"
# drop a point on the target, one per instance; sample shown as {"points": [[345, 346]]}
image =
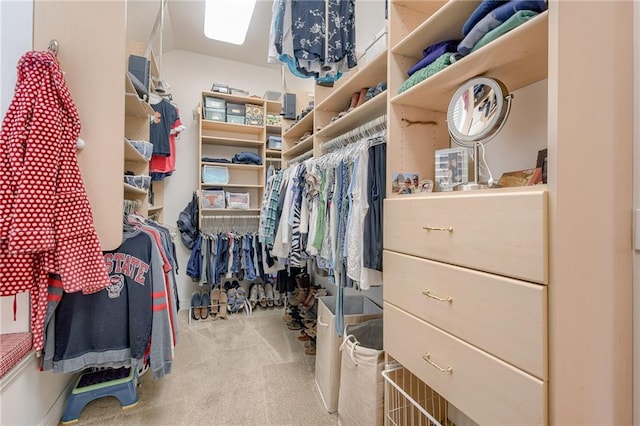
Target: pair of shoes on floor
{"points": [[236, 299], [294, 325], [218, 303], [200, 304], [310, 347], [268, 291]]}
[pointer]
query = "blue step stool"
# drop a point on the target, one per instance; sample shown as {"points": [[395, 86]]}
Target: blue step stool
{"points": [[120, 382]]}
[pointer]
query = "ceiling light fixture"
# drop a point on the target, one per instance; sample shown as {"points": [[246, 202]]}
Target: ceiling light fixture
{"points": [[228, 20]]}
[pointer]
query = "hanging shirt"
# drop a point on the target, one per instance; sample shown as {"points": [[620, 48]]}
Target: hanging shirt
{"points": [[164, 117]]}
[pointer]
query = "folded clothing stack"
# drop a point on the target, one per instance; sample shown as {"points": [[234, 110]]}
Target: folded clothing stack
{"points": [[490, 20], [491, 14], [247, 158]]}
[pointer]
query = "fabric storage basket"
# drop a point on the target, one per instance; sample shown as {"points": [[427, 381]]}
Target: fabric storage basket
{"points": [[361, 397], [215, 174], [213, 199], [356, 309], [238, 200]]}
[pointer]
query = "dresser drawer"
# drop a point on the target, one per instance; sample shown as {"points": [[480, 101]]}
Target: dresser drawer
{"points": [[502, 316], [501, 232], [480, 385]]}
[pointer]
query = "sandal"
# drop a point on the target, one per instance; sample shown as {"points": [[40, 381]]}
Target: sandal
{"points": [[215, 301], [196, 302], [223, 304]]}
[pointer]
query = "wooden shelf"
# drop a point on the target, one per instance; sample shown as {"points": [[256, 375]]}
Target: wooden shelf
{"points": [[246, 143], [153, 209], [273, 107], [366, 112], [222, 126], [136, 107], [130, 189], [518, 58], [369, 76], [233, 166], [153, 67], [301, 127], [274, 129], [132, 154], [229, 185], [300, 148], [273, 152], [235, 98], [445, 24], [424, 7]]}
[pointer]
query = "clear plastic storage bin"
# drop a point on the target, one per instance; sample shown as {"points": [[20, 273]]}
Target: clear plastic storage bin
{"points": [[215, 174]]}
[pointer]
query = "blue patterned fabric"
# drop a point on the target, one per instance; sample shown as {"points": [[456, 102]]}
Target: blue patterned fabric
{"points": [[319, 44]]}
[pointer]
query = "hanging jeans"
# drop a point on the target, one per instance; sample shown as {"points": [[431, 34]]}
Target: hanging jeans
{"points": [[372, 237]]}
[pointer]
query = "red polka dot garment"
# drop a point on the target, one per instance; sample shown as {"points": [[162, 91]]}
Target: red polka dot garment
{"points": [[46, 225]]}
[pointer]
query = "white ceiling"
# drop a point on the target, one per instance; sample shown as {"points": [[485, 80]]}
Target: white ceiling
{"points": [[183, 30]]}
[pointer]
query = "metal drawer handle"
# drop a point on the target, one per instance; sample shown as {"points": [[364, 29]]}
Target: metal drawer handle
{"points": [[433, 296], [427, 357], [436, 228]]}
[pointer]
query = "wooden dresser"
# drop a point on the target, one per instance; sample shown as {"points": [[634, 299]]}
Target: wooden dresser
{"points": [[465, 299]]}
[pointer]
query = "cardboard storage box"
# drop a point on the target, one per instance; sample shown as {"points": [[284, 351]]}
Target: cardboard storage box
{"points": [[237, 119], [254, 115], [211, 102], [214, 114], [235, 109]]}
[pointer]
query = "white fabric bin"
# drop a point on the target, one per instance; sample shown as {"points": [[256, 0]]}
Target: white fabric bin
{"points": [[361, 396], [356, 309]]}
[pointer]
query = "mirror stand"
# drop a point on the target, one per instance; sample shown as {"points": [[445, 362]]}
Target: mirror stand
{"points": [[477, 112]]}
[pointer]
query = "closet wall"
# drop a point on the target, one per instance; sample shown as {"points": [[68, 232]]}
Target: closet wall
{"points": [[189, 74]]}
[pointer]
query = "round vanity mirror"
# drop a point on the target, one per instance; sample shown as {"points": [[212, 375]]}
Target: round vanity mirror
{"points": [[477, 112]]}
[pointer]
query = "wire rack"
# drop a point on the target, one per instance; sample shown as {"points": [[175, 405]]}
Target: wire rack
{"points": [[409, 401]]}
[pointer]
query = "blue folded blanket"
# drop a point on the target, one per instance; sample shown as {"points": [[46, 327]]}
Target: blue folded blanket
{"points": [[247, 158], [515, 21], [481, 11], [432, 53], [496, 17]]}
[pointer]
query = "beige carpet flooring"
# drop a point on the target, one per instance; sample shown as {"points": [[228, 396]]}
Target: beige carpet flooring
{"points": [[239, 371]]}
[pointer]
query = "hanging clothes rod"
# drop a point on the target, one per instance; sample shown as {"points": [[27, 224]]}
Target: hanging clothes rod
{"points": [[213, 218], [300, 158], [366, 130]]}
